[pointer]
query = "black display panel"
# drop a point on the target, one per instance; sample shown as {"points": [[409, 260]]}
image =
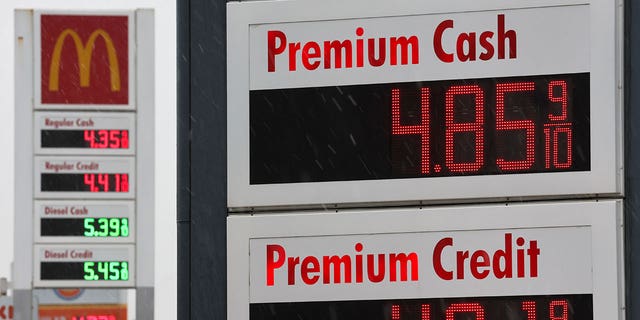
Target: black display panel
{"points": [[85, 270], [90, 139], [84, 182], [421, 129], [557, 307], [102, 227]]}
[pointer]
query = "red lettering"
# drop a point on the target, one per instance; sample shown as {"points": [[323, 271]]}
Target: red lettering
{"points": [[502, 36], [310, 265], [293, 48], [480, 259], [338, 48], [403, 44], [461, 256], [403, 259], [481, 264], [291, 269], [437, 259], [533, 252], [311, 50], [486, 45], [274, 49], [273, 264], [470, 40], [336, 261], [437, 41], [505, 256]]}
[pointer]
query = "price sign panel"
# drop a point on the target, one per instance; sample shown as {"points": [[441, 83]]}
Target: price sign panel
{"points": [[85, 177], [417, 101], [529, 261], [84, 221], [84, 266], [85, 133]]}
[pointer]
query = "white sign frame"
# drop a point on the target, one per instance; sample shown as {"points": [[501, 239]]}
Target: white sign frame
{"points": [[101, 120], [602, 218], [604, 64], [100, 253]]}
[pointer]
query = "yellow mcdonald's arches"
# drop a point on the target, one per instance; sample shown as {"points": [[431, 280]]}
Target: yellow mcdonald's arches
{"points": [[84, 58]]}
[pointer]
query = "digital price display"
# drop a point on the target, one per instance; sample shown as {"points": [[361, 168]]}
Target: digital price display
{"points": [[358, 106], [85, 266], [421, 129], [443, 263], [85, 221], [86, 177], [85, 133], [88, 270], [559, 307], [88, 227]]}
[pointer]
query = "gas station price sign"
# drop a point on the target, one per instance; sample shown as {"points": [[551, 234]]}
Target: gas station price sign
{"points": [[542, 261], [420, 102], [85, 177], [85, 133], [84, 265], [85, 221]]}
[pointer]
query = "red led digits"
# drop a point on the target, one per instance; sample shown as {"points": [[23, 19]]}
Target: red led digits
{"points": [[559, 125], [107, 139], [90, 180], [530, 308], [425, 312], [451, 128], [471, 307], [512, 125], [562, 99], [559, 310], [395, 312], [107, 182], [422, 129]]}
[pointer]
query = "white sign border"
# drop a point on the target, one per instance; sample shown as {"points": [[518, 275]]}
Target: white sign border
{"points": [[603, 217], [605, 177]]}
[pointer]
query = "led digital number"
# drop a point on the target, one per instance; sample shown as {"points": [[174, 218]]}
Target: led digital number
{"points": [[557, 130], [556, 307], [106, 227], [88, 227], [111, 139], [107, 182], [92, 139], [106, 270], [558, 310], [85, 182], [85, 270], [490, 126]]}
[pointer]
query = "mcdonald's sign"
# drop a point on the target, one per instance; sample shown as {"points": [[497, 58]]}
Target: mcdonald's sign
{"points": [[84, 59]]}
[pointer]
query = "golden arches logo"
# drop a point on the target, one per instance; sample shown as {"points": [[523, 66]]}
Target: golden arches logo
{"points": [[84, 51]]}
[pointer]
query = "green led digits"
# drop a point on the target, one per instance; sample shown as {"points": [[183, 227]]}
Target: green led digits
{"points": [[106, 270], [106, 227]]}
